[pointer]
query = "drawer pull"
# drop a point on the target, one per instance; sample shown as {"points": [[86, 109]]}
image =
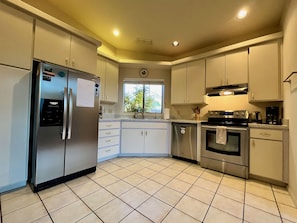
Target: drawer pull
{"points": [[265, 134], [107, 133], [108, 125], [108, 150], [107, 140]]}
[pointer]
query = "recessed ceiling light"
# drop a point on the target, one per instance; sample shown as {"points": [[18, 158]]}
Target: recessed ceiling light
{"points": [[116, 32], [242, 14], [175, 43]]}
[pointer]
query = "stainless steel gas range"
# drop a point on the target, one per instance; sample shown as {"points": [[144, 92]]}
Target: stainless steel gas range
{"points": [[224, 142]]}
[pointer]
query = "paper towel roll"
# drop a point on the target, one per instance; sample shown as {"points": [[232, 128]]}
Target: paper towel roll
{"points": [[166, 114]]}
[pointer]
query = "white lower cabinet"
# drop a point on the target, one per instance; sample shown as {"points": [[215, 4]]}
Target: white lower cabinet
{"points": [[150, 138], [268, 154], [108, 139]]}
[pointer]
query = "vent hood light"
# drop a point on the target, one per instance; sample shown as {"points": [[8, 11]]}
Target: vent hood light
{"points": [[226, 93]]}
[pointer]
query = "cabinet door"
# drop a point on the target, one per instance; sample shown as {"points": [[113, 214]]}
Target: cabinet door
{"points": [[51, 44], [16, 37], [83, 55], [237, 68], [155, 141], [266, 158], [264, 67], [111, 82], [178, 84], [101, 67], [215, 71], [132, 141], [196, 81]]}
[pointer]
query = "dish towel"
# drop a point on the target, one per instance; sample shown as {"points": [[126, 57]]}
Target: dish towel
{"points": [[221, 135]]}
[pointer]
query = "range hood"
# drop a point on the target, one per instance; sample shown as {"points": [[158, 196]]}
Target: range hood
{"points": [[227, 90]]}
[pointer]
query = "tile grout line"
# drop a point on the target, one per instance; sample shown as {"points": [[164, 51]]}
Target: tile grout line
{"points": [[184, 194], [209, 206], [83, 201], [276, 204], [244, 196], [45, 207], [152, 195]]}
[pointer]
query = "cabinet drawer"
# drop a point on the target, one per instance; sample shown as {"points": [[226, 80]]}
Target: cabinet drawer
{"points": [[113, 150], [266, 134], [108, 141], [109, 125], [109, 132], [144, 125]]}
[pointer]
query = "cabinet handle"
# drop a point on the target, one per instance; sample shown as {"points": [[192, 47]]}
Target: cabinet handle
{"points": [[265, 134], [108, 125], [73, 63], [253, 96], [253, 142], [145, 133], [107, 133], [141, 133], [66, 61], [107, 140], [108, 150]]}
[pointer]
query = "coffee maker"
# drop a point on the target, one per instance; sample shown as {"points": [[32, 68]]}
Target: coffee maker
{"points": [[272, 115]]}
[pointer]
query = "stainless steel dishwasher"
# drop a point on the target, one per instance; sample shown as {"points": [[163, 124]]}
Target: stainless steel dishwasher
{"points": [[184, 141]]}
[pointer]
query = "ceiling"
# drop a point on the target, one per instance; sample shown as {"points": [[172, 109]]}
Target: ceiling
{"points": [[150, 26]]}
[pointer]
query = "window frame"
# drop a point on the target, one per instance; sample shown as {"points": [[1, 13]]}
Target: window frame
{"points": [[145, 82]]}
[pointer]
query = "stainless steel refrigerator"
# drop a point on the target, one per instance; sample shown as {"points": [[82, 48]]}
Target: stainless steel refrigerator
{"points": [[63, 126]]}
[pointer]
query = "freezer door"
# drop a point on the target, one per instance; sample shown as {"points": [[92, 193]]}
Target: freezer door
{"points": [[48, 144], [82, 134]]}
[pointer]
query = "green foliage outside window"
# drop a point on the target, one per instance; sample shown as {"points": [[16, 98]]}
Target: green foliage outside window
{"points": [[143, 97]]}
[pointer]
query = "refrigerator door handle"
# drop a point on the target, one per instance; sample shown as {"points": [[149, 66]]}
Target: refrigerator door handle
{"points": [[64, 115], [70, 114]]}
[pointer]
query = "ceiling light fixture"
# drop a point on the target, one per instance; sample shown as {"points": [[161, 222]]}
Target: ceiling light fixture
{"points": [[175, 43], [116, 32], [242, 14]]}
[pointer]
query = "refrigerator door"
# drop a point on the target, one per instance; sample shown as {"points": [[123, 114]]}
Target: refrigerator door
{"points": [[82, 129], [51, 100]]}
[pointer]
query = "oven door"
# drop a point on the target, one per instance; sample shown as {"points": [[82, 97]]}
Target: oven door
{"points": [[235, 150]]}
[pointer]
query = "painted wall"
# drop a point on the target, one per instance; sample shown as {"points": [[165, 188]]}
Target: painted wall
{"points": [[290, 90], [237, 102]]}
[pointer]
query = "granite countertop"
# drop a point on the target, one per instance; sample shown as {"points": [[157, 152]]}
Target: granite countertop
{"points": [[268, 126]]}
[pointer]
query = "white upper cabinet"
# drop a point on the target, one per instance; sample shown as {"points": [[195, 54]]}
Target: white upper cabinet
{"points": [[264, 68], [16, 39], [179, 84], [215, 71], [237, 68], [57, 46], [188, 83], [108, 71], [229, 69]]}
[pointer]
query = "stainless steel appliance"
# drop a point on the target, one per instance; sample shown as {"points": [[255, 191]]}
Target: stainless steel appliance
{"points": [[64, 125], [256, 117], [230, 156], [184, 141], [272, 115]]}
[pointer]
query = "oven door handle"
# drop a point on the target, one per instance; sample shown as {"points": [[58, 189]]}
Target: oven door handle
{"points": [[228, 128]]}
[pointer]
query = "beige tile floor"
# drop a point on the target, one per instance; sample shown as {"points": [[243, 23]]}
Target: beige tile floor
{"points": [[151, 190]]}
